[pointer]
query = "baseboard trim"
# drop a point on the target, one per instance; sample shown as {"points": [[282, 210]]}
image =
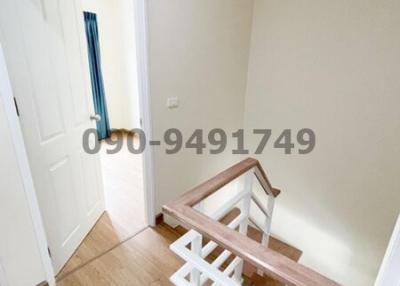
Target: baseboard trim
{"points": [[124, 131], [159, 218]]}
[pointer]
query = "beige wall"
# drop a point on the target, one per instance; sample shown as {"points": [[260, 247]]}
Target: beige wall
{"points": [[118, 54], [332, 66], [199, 53]]}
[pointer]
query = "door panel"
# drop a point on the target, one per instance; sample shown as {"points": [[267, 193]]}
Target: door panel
{"points": [[61, 178], [93, 195], [71, 26], [48, 67]]}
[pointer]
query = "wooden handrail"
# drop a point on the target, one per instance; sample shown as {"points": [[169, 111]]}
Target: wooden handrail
{"points": [[209, 187], [269, 261]]}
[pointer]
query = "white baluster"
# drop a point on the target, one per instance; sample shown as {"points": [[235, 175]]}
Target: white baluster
{"points": [[196, 246], [268, 220], [245, 210], [200, 207], [267, 225]]}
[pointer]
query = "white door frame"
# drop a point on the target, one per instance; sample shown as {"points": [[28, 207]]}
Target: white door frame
{"points": [[23, 164], [141, 34], [389, 274], [144, 103]]}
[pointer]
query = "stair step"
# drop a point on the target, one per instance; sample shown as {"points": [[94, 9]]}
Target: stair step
{"points": [[257, 280]]}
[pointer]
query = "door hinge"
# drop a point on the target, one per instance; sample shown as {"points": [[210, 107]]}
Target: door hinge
{"points": [[16, 106], [49, 251]]}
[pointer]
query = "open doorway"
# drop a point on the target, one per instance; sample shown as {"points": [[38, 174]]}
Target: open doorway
{"points": [[111, 43]]}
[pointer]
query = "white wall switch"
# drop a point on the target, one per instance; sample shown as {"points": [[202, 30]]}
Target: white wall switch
{"points": [[172, 102]]}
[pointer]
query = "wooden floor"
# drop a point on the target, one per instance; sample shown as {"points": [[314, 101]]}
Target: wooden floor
{"points": [[142, 260], [146, 259], [124, 216]]}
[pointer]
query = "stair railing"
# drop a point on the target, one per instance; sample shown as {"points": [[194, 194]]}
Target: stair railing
{"points": [[232, 238]]}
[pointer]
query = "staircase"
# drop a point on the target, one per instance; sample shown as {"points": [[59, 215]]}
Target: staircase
{"points": [[231, 246], [250, 276]]}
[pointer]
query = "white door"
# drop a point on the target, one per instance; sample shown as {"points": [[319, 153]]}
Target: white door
{"points": [[46, 56]]}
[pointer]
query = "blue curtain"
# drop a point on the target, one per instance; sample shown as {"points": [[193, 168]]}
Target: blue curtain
{"points": [[99, 98]]}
